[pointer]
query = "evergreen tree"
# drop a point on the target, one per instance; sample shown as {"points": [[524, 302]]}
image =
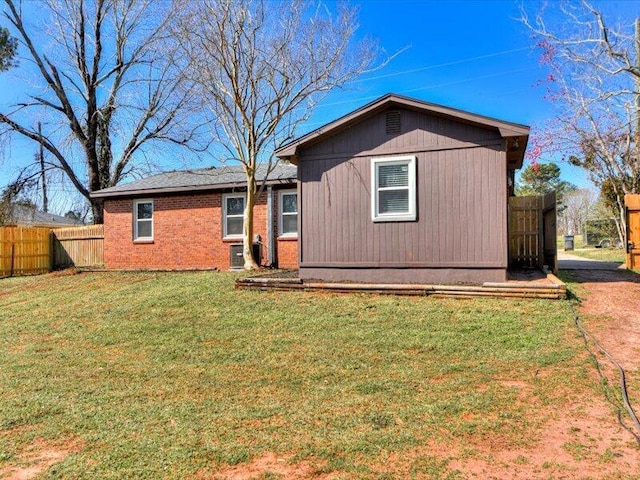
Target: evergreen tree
{"points": [[8, 47]]}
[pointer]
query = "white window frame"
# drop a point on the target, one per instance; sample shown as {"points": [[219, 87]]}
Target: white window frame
{"points": [[136, 237], [225, 216], [411, 214], [282, 213]]}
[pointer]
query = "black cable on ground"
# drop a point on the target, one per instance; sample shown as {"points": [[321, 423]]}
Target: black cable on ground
{"points": [[623, 380]]}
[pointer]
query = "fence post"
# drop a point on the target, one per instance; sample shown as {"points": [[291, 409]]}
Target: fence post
{"points": [[11, 261], [52, 250]]}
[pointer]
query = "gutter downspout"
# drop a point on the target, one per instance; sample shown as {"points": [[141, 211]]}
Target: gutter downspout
{"points": [[271, 254]]}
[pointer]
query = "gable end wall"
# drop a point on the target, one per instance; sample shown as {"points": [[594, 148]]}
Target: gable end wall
{"points": [[461, 231]]}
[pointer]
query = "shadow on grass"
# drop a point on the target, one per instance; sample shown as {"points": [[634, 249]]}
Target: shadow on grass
{"points": [[587, 275]]}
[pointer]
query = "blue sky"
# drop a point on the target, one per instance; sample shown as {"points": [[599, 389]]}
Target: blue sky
{"points": [[471, 55]]}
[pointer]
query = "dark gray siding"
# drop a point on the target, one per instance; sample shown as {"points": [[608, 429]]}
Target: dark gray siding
{"points": [[461, 196], [419, 132]]}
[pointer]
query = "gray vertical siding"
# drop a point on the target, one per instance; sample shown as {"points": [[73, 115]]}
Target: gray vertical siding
{"points": [[418, 131], [461, 195]]}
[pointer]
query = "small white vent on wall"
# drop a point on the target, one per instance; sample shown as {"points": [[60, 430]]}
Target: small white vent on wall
{"points": [[393, 122]]}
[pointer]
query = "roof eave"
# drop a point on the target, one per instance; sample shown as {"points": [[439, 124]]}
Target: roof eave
{"points": [[506, 129], [188, 188], [515, 152]]}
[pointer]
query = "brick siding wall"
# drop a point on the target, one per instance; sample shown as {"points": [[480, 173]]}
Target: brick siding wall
{"points": [[187, 234], [287, 253]]}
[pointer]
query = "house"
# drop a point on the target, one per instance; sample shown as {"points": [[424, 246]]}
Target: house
{"points": [[405, 191], [28, 216], [192, 219]]}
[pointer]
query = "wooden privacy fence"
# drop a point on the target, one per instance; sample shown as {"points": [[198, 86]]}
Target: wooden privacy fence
{"points": [[33, 250], [24, 250], [532, 232], [78, 246]]}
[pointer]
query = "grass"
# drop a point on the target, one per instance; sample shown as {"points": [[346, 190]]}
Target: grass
{"points": [[586, 251], [161, 375], [603, 254]]}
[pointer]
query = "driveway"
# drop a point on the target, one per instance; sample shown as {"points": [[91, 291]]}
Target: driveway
{"points": [[568, 261]]}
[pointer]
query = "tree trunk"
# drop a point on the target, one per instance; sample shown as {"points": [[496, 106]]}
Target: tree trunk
{"points": [[96, 210], [621, 223], [247, 225]]}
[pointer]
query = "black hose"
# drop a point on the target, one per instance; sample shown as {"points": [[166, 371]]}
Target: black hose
{"points": [[623, 379]]}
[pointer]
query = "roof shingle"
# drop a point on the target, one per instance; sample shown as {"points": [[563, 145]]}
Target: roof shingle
{"points": [[211, 178]]}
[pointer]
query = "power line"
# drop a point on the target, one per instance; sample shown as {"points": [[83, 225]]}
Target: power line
{"points": [[447, 64], [453, 82], [491, 75]]}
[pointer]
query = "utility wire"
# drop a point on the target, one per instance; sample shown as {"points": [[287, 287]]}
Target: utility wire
{"points": [[438, 85], [476, 77], [447, 64]]}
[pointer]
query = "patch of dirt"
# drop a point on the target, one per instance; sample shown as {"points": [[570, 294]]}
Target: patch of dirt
{"points": [[37, 458], [612, 303], [64, 273], [267, 464], [585, 441], [579, 443]]}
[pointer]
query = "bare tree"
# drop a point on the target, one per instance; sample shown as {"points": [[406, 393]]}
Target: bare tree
{"points": [[594, 86], [261, 67], [15, 194], [579, 207], [108, 88]]}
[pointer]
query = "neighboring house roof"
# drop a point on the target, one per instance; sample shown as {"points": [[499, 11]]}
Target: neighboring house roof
{"points": [[212, 178], [28, 216], [515, 155]]}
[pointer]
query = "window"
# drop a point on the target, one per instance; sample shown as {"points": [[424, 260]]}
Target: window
{"points": [[233, 215], [393, 181], [288, 213], [143, 220]]}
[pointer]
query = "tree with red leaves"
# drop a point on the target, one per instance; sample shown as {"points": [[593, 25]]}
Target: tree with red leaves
{"points": [[593, 81]]}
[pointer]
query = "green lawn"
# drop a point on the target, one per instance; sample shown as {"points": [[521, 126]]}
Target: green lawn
{"points": [[164, 375], [582, 250], [604, 254]]}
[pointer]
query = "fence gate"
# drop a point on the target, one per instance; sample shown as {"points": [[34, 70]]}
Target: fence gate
{"points": [[632, 208], [532, 232]]}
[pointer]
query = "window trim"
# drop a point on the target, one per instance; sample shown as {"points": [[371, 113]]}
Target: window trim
{"points": [[136, 236], [411, 214], [225, 196], [281, 213]]}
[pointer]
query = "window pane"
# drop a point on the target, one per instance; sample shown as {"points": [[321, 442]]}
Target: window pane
{"points": [[144, 229], [234, 226], [289, 224], [290, 203], [393, 201], [145, 210], [235, 205], [393, 175]]}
